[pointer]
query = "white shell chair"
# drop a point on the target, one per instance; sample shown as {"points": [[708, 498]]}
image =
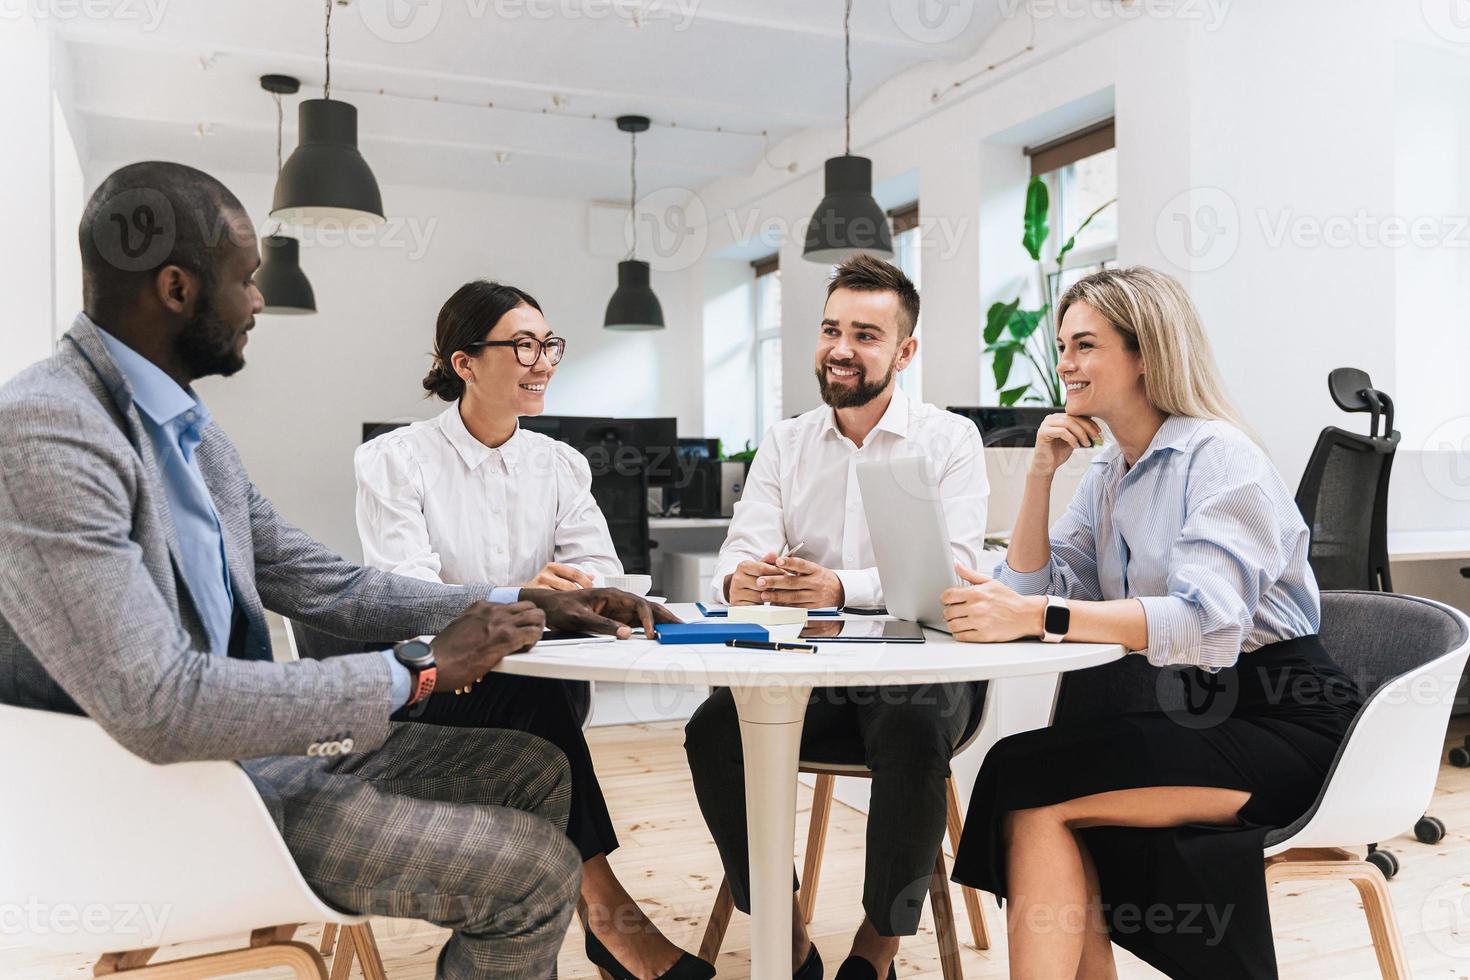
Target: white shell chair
{"points": [[115, 856]]}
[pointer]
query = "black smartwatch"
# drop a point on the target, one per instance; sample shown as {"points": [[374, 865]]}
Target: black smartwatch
{"points": [[1057, 621], [418, 657]]}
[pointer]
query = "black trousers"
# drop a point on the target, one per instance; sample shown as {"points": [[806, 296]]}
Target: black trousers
{"points": [[543, 707], [905, 735]]}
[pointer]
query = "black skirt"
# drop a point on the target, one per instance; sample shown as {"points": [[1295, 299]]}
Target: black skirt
{"points": [[1190, 900]]}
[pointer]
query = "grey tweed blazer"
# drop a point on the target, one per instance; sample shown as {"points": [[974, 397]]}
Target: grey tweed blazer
{"points": [[95, 616]]}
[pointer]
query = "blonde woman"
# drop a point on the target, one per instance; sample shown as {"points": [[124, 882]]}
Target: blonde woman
{"points": [[1184, 545]]}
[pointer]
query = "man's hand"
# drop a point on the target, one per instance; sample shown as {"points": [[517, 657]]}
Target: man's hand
{"points": [[789, 581], [599, 611], [560, 578], [482, 636]]}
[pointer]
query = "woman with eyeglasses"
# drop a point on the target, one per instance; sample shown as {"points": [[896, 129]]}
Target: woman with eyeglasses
{"points": [[472, 497]]}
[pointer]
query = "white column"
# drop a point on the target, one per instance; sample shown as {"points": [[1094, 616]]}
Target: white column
{"points": [[26, 247]]}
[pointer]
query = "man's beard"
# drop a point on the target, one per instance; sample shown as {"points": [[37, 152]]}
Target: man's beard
{"points": [[207, 342], [860, 392]]}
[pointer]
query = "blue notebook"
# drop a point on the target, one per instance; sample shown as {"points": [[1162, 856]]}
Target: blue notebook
{"points": [[712, 612], [710, 632]]}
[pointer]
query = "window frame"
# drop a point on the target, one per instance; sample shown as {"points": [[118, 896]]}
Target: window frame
{"points": [[762, 334]]}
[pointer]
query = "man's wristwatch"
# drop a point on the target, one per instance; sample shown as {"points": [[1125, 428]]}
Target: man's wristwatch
{"points": [[1057, 619], [418, 657]]}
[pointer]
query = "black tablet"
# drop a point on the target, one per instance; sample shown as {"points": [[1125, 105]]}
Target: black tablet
{"points": [[863, 631]]}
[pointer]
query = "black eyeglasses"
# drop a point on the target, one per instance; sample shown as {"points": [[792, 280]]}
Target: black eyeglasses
{"points": [[528, 349]]}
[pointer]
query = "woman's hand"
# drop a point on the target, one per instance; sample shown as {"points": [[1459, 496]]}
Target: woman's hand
{"points": [[1057, 437], [985, 611], [561, 578]]}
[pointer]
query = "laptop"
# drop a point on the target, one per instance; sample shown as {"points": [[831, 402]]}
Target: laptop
{"points": [[910, 539]]}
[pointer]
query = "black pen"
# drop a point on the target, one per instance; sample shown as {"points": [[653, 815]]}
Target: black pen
{"points": [[763, 645]]}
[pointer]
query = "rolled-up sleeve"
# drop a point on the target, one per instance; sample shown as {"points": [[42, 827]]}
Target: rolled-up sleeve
{"points": [[1228, 551], [1072, 570]]}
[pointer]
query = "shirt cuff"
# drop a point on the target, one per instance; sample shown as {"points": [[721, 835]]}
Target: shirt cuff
{"points": [[1174, 635], [504, 594], [402, 679], [860, 586], [1024, 583]]}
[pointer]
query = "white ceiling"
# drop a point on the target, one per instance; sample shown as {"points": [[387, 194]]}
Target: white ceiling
{"points": [[186, 86]]}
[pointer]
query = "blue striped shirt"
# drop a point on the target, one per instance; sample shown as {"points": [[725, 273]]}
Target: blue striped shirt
{"points": [[1201, 531]]}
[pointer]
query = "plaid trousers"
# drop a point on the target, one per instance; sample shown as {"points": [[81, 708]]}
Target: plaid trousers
{"points": [[460, 827]]}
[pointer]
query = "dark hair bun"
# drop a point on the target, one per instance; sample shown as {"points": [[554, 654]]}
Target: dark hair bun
{"points": [[442, 381]]}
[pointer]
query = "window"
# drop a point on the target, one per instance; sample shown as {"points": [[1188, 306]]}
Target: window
{"points": [[906, 257], [767, 344], [1081, 173]]}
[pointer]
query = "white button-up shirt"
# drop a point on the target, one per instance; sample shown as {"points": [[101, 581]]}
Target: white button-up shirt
{"points": [[435, 503], [802, 489]]}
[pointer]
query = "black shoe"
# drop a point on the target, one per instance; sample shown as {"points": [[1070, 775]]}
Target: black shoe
{"points": [[688, 967], [811, 967], [857, 968]]}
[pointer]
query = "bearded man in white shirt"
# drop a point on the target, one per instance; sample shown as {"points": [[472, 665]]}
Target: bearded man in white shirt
{"points": [[802, 490]]}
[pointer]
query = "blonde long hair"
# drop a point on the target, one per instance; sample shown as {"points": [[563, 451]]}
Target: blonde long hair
{"points": [[1157, 318]]}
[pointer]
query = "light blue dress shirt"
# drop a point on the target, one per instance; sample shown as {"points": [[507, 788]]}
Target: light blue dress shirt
{"points": [[174, 419], [1201, 531]]}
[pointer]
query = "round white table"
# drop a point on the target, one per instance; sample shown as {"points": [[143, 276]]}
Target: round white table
{"points": [[771, 692]]}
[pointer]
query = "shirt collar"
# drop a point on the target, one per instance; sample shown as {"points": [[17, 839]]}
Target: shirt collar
{"points": [[895, 418], [157, 396], [1174, 436], [471, 450]]}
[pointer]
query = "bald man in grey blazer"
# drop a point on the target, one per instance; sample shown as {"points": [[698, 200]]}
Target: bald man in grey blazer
{"points": [[139, 560]]}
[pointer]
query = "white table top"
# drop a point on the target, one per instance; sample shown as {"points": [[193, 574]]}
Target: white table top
{"points": [[941, 659], [1429, 545]]}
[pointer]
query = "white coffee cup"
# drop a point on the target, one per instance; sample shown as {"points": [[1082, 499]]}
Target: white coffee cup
{"points": [[636, 584]]}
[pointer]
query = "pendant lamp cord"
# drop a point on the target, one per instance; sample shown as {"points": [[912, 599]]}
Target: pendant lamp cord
{"points": [[327, 88], [633, 197], [280, 122], [847, 62]]}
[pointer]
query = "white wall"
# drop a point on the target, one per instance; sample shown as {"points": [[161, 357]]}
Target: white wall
{"points": [[1230, 117], [296, 410]]}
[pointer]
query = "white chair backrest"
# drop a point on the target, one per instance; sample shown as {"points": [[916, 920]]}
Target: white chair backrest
{"points": [[102, 851], [1385, 775]]}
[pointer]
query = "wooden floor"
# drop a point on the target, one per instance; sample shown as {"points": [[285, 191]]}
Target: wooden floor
{"points": [[668, 863]]}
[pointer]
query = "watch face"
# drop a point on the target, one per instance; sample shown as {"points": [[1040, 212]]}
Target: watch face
{"points": [[1058, 619], [414, 653]]}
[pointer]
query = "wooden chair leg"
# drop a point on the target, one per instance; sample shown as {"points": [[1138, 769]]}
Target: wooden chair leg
{"points": [[979, 931], [111, 963], [719, 921], [816, 840], [329, 938], [1372, 889], [365, 944], [300, 958], [346, 953], [943, 909]]}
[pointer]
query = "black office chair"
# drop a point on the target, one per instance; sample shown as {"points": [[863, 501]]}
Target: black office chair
{"points": [[1343, 498], [1343, 495], [620, 488]]}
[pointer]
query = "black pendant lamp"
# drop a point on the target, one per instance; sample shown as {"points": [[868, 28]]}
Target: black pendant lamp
{"points": [[326, 177], [282, 284], [848, 220], [633, 306]]}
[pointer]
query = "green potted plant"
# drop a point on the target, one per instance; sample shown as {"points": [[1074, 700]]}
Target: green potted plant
{"points": [[1011, 332]]}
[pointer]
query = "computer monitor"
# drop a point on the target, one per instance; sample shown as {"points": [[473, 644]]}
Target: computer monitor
{"points": [[1008, 426], [371, 430]]}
